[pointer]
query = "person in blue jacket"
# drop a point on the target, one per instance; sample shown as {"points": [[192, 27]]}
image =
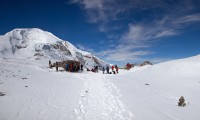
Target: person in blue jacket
{"points": [[67, 67]]}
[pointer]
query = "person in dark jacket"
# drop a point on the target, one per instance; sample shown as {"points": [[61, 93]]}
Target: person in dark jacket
{"points": [[116, 68], [81, 67], [50, 64], [103, 70], [107, 69], [56, 66], [96, 68]]}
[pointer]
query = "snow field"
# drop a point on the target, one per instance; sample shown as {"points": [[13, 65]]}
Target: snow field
{"points": [[100, 100], [35, 92], [154, 90]]}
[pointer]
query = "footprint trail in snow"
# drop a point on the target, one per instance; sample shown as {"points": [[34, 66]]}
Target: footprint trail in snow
{"points": [[100, 100]]}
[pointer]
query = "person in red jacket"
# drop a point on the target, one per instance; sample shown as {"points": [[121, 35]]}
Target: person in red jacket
{"points": [[128, 66], [71, 67], [113, 68]]}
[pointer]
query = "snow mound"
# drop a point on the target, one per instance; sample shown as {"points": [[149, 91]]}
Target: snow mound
{"points": [[187, 66]]}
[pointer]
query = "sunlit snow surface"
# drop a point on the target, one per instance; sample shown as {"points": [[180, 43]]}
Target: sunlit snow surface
{"points": [[35, 92]]}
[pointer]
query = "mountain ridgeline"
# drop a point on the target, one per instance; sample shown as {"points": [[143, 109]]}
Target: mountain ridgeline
{"points": [[36, 44]]}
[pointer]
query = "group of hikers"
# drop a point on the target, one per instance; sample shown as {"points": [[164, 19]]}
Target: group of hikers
{"points": [[106, 70], [72, 67], [128, 66], [95, 69], [114, 70], [77, 66], [68, 66]]}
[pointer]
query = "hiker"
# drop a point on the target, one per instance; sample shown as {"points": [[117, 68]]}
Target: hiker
{"points": [[67, 67], [75, 68], [56, 66], [107, 69], [96, 68], [78, 68], [88, 69], [49, 64], [71, 67], [128, 66], [93, 70], [112, 68], [116, 68], [81, 67], [103, 70]]}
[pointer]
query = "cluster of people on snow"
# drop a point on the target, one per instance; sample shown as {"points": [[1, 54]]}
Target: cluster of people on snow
{"points": [[68, 66], [73, 67], [128, 66], [95, 69], [114, 69], [106, 70]]}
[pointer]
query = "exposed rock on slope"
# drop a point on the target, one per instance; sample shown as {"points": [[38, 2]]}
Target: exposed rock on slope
{"points": [[38, 44]]}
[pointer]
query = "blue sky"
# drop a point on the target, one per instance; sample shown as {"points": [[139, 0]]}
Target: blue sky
{"points": [[117, 31]]}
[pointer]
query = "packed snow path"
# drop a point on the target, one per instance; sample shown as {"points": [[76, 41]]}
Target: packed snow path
{"points": [[100, 100], [34, 92]]}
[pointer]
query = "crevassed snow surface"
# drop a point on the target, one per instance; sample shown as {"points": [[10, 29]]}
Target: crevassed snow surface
{"points": [[35, 92]]}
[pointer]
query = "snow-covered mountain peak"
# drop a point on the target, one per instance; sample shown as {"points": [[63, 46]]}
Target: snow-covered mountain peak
{"points": [[34, 43], [33, 35]]}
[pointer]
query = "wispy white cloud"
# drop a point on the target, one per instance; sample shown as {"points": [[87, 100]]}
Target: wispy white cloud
{"points": [[123, 52], [136, 35], [84, 48], [120, 53], [104, 12], [165, 33], [89, 4], [95, 9], [186, 20], [126, 55], [166, 27], [141, 34]]}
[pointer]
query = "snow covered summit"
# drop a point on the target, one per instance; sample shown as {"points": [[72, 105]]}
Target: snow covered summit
{"points": [[37, 44]]}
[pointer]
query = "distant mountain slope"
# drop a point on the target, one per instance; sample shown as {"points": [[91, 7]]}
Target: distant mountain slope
{"points": [[37, 44]]}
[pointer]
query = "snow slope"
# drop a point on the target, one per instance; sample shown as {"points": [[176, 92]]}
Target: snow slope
{"points": [[35, 92], [37, 44], [167, 82]]}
